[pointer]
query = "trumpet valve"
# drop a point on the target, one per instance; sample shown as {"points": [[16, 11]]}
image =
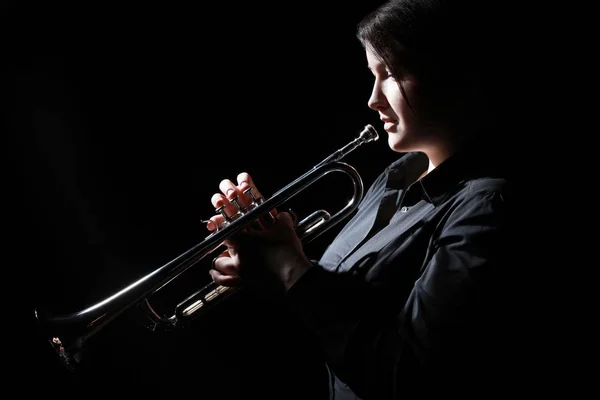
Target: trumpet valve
{"points": [[226, 218], [240, 209], [254, 200]]}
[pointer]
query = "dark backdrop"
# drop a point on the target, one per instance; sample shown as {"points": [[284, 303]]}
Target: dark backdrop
{"points": [[122, 119]]}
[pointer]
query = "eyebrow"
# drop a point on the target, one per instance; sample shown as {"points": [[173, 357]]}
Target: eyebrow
{"points": [[378, 67]]}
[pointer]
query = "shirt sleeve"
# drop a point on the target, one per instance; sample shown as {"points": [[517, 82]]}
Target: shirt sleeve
{"points": [[449, 317]]}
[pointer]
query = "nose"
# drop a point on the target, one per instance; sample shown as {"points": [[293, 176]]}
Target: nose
{"points": [[377, 100]]}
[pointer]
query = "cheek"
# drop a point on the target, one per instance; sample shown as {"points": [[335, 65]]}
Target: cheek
{"points": [[396, 99], [400, 107]]}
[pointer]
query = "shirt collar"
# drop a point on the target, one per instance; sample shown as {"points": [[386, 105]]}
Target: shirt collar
{"points": [[404, 171], [437, 185]]}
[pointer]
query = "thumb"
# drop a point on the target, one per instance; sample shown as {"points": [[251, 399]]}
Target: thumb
{"points": [[287, 218]]}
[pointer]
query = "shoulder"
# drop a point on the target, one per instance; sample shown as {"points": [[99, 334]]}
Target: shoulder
{"points": [[485, 193], [481, 202], [487, 185]]}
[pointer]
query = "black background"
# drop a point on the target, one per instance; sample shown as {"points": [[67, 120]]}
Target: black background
{"points": [[122, 118]]}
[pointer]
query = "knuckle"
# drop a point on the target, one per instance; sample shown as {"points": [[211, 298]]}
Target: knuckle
{"points": [[225, 185], [244, 177], [217, 200]]}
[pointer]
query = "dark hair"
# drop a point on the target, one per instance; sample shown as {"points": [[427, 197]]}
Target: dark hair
{"points": [[445, 44]]}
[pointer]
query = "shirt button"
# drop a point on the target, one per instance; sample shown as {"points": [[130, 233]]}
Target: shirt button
{"points": [[404, 209]]}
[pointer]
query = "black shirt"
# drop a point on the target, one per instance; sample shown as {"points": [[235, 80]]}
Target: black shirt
{"points": [[411, 290]]}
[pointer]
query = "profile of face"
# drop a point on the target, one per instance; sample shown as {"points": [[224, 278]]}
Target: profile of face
{"points": [[405, 131]]}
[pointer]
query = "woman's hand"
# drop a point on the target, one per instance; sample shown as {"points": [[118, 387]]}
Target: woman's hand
{"points": [[274, 247], [230, 194]]}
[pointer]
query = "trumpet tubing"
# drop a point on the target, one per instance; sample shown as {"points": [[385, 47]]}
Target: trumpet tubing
{"points": [[69, 333]]}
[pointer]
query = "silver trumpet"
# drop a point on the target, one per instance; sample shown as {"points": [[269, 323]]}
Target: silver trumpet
{"points": [[69, 333]]}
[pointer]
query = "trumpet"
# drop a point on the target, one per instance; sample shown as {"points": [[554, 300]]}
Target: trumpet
{"points": [[69, 333]]}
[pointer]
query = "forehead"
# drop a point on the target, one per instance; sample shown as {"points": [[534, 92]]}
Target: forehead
{"points": [[373, 60]]}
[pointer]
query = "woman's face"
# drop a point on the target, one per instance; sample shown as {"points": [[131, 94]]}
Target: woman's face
{"points": [[404, 130]]}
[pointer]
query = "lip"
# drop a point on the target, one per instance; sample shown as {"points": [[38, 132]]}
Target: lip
{"points": [[388, 123]]}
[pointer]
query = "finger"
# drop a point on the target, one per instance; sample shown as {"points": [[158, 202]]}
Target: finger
{"points": [[234, 195], [245, 181], [279, 224], [228, 188], [294, 217], [225, 266], [224, 253], [287, 218], [225, 280], [218, 200], [232, 242], [223, 270], [211, 224]]}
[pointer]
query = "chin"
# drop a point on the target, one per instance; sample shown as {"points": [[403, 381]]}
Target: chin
{"points": [[395, 143]]}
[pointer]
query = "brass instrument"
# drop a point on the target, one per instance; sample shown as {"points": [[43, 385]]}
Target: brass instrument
{"points": [[68, 333]]}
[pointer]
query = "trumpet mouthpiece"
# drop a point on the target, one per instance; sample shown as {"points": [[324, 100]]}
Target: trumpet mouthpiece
{"points": [[369, 134]]}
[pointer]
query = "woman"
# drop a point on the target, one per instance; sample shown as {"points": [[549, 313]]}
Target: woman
{"points": [[408, 297]]}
